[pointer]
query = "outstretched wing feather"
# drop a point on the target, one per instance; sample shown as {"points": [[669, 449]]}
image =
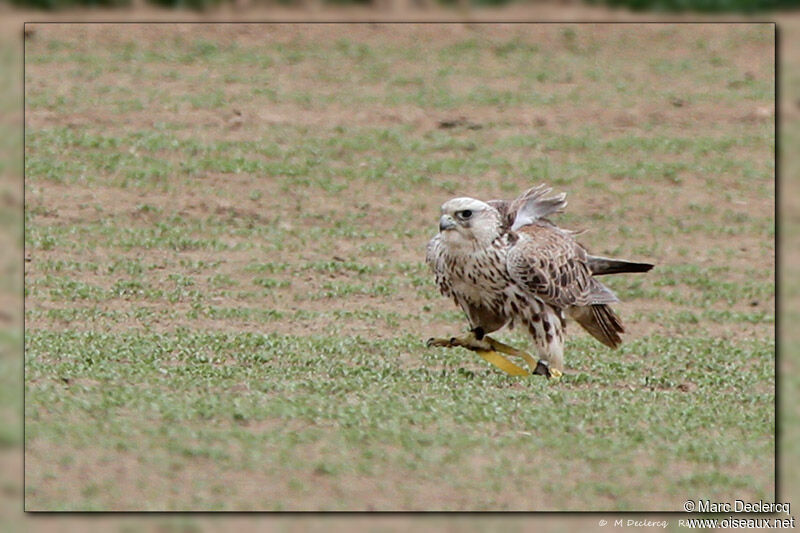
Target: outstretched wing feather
{"points": [[532, 205]]}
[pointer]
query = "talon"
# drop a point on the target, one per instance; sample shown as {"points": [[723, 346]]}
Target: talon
{"points": [[440, 343]]}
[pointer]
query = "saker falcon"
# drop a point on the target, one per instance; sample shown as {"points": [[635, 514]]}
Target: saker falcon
{"points": [[504, 263]]}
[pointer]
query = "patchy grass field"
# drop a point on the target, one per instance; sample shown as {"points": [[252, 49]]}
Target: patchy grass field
{"points": [[226, 296]]}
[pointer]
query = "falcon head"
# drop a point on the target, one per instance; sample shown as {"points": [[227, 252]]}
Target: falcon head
{"points": [[469, 223]]}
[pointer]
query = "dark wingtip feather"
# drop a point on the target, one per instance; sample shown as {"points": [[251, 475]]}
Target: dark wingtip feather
{"points": [[600, 321], [609, 324]]}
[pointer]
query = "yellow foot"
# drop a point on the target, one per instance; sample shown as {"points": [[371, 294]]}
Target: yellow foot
{"points": [[488, 348], [468, 341]]}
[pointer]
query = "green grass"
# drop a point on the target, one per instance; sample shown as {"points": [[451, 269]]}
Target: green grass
{"points": [[208, 389], [233, 317], [435, 152]]}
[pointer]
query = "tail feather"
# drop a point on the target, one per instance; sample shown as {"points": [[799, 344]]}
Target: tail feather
{"points": [[601, 322], [600, 266]]}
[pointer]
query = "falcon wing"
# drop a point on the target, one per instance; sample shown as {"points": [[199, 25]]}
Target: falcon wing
{"points": [[549, 263], [529, 207], [532, 206]]}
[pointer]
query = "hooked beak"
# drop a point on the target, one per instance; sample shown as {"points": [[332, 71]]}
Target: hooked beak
{"points": [[446, 223]]}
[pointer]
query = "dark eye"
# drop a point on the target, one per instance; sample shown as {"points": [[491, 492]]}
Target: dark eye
{"points": [[465, 214]]}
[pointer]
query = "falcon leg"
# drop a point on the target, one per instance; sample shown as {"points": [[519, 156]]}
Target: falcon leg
{"points": [[476, 341], [488, 348]]}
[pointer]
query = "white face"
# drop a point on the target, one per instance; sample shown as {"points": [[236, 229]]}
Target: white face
{"points": [[468, 224]]}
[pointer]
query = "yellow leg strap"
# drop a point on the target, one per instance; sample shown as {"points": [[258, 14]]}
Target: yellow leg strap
{"points": [[510, 350], [504, 364], [492, 355]]}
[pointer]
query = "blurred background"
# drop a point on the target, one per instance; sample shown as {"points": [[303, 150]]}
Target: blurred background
{"points": [[482, 6], [15, 13]]}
